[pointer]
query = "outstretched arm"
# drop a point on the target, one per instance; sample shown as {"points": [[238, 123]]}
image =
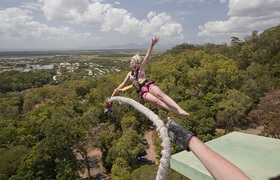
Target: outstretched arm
{"points": [[149, 51], [218, 166], [123, 83]]}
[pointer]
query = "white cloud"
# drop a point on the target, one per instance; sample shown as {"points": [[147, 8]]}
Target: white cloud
{"points": [[162, 25], [188, 1], [69, 10], [253, 8], [168, 30], [94, 14], [30, 5], [109, 18], [12, 20], [114, 18], [17, 24], [64, 19], [244, 17], [129, 25]]}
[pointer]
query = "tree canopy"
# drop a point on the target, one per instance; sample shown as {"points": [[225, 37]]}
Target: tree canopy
{"points": [[43, 123]]}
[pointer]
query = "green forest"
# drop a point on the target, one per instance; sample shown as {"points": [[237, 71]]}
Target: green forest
{"points": [[44, 123]]}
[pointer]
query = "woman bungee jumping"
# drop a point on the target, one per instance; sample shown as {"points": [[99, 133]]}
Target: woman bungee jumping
{"points": [[148, 89]]}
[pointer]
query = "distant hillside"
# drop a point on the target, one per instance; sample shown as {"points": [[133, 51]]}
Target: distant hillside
{"points": [[130, 46], [125, 46]]}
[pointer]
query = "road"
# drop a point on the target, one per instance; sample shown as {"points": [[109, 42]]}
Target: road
{"points": [[151, 153]]}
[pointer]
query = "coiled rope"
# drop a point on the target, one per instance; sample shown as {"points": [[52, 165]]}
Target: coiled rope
{"points": [[160, 127]]}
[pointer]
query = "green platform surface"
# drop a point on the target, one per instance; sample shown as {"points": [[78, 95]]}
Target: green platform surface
{"points": [[256, 156]]}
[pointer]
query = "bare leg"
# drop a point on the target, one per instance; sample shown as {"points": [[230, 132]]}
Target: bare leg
{"points": [[152, 99], [156, 96]]}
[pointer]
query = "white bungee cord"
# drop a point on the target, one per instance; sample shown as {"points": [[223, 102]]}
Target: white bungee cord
{"points": [[166, 152]]}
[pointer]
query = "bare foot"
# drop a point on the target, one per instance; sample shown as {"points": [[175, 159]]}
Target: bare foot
{"points": [[184, 113]]}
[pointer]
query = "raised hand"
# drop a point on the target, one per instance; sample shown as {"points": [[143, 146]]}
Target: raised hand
{"points": [[155, 40]]}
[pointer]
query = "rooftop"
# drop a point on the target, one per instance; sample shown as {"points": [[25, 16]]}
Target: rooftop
{"points": [[256, 156]]}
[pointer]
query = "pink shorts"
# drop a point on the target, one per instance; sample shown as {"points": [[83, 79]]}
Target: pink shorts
{"points": [[146, 86]]}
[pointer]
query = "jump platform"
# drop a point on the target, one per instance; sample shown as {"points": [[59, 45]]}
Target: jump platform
{"points": [[256, 156]]}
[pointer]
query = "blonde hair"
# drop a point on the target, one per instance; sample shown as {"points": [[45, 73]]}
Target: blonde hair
{"points": [[136, 58]]}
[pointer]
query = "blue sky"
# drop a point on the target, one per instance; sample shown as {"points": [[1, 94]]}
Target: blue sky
{"points": [[64, 24]]}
